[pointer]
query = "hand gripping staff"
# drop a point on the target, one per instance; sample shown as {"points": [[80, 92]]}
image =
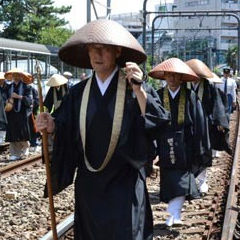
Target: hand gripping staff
{"points": [[45, 154]]}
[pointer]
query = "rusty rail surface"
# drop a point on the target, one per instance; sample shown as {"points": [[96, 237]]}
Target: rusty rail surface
{"points": [[5, 171], [231, 212]]}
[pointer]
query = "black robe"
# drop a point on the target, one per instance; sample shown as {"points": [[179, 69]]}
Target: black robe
{"points": [[32, 117], [215, 113], [18, 122], [3, 117], [112, 204], [49, 99], [178, 179]]}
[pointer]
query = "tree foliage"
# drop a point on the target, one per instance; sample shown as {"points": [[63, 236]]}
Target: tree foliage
{"points": [[231, 57], [28, 19], [54, 36], [155, 83]]}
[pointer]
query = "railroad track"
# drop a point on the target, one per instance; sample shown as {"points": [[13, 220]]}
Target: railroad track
{"points": [[19, 165], [203, 218]]}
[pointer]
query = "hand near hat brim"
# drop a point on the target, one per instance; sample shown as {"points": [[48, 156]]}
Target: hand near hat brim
{"points": [[27, 78], [174, 66]]}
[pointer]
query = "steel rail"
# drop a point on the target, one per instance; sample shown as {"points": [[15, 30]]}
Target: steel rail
{"points": [[4, 171], [231, 214], [62, 228]]}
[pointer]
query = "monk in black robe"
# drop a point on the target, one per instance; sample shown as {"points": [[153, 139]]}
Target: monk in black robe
{"points": [[214, 110], [101, 130], [18, 131], [58, 89], [180, 145], [3, 118]]}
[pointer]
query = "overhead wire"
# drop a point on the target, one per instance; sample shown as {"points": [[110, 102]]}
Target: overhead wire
{"points": [[94, 8]]}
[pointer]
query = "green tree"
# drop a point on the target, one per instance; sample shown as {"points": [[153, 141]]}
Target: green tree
{"points": [[231, 57], [27, 19], [54, 36], [11, 15], [155, 83]]}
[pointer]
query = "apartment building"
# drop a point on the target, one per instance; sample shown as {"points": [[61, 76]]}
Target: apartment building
{"points": [[219, 40]]}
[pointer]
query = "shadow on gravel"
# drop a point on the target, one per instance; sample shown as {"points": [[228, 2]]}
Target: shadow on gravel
{"points": [[161, 230]]}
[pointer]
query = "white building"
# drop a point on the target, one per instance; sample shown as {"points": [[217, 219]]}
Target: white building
{"points": [[132, 21], [219, 40]]}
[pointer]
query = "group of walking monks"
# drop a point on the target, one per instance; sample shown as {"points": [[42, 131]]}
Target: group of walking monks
{"points": [[105, 126]]}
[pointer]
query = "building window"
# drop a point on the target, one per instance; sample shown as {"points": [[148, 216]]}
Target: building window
{"points": [[229, 1], [162, 9], [204, 2], [196, 3], [192, 3]]}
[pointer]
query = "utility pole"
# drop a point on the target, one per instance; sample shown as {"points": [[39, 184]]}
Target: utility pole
{"points": [[88, 10], [108, 7]]}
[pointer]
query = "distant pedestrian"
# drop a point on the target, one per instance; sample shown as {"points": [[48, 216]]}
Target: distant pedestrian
{"points": [[229, 88], [32, 117], [68, 76], [58, 89], [3, 118], [20, 94]]}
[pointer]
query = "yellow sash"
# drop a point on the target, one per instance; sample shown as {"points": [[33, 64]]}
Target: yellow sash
{"points": [[181, 105], [117, 120]]}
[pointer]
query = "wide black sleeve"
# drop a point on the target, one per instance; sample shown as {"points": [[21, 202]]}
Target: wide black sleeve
{"points": [[202, 154], [219, 111], [63, 163], [27, 96], [220, 139], [48, 101], [3, 118], [156, 116], [35, 100]]}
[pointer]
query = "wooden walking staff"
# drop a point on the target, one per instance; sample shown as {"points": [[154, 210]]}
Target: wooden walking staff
{"points": [[46, 156]]}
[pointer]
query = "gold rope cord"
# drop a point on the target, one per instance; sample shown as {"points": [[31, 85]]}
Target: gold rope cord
{"points": [[117, 120], [181, 105]]}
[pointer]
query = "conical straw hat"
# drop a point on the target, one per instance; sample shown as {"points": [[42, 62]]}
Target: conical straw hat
{"points": [[67, 74], [74, 52], [56, 80], [173, 65], [2, 75], [24, 76], [215, 79], [200, 68]]}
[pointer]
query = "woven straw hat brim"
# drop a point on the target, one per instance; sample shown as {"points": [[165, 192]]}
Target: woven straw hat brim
{"points": [[215, 79], [67, 74], [56, 80], [176, 66], [200, 68], [27, 78], [74, 52], [2, 76]]}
